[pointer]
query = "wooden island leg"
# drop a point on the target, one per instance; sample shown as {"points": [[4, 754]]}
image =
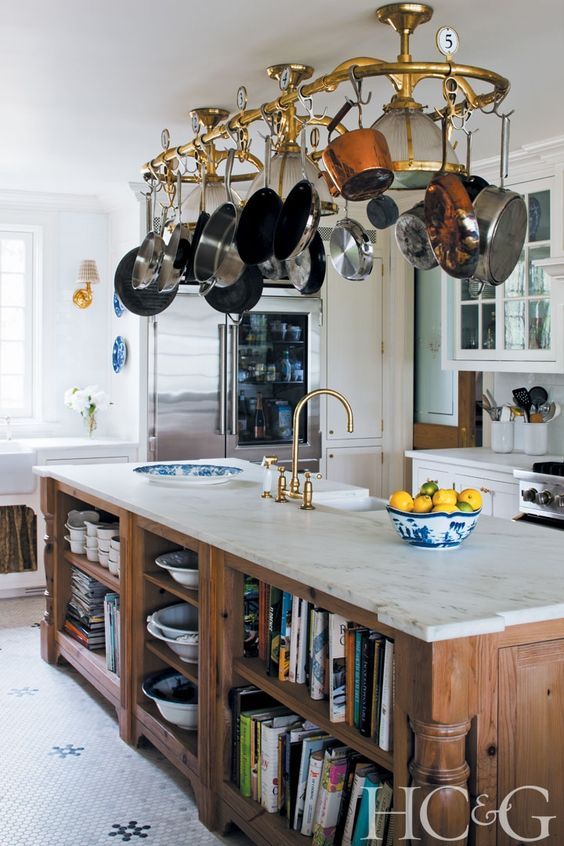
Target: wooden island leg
{"points": [[47, 625]]}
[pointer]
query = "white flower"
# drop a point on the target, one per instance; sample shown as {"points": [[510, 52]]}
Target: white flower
{"points": [[87, 401], [100, 399], [69, 396], [80, 401]]}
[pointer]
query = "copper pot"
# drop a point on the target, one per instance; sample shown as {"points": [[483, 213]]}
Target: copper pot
{"points": [[359, 164]]}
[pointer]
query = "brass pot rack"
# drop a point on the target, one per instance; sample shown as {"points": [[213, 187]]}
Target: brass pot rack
{"points": [[404, 75]]}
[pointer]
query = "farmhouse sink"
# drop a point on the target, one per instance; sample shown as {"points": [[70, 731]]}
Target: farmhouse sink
{"points": [[349, 501], [16, 461]]}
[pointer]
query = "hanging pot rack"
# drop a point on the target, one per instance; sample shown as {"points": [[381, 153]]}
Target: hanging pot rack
{"points": [[404, 75]]}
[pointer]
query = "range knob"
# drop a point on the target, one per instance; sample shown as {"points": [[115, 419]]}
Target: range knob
{"points": [[558, 501], [529, 495], [545, 498]]}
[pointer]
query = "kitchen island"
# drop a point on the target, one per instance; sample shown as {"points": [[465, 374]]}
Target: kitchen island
{"points": [[478, 641]]}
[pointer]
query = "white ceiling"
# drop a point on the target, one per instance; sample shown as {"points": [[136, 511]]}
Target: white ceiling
{"points": [[87, 87]]}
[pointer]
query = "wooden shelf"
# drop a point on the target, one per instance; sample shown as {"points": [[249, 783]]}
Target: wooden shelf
{"points": [[166, 582], [296, 697], [92, 569], [189, 671], [91, 665], [176, 744], [252, 818]]}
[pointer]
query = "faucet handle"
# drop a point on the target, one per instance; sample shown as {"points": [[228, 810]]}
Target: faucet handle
{"points": [[307, 504], [281, 494]]}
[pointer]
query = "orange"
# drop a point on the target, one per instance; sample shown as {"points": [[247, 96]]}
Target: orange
{"points": [[472, 497], [446, 509], [445, 496], [422, 504], [401, 500]]}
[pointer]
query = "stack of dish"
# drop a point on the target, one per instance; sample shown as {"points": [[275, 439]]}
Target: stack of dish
{"points": [[104, 534], [77, 528], [175, 697], [177, 626], [114, 559], [182, 564]]}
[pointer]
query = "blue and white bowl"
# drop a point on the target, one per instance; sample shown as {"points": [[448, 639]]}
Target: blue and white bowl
{"points": [[436, 530], [187, 474], [119, 354], [119, 307]]}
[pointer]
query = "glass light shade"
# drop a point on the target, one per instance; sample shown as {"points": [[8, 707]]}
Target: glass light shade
{"points": [[216, 195], [88, 272], [286, 171], [415, 143]]}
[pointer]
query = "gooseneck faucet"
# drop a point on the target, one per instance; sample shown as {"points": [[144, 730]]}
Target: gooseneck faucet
{"points": [[294, 491]]}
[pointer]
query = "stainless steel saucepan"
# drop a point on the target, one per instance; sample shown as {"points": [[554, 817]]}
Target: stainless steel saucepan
{"points": [[150, 253], [350, 249], [412, 238]]}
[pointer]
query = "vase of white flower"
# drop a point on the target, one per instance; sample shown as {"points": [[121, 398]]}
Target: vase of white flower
{"points": [[87, 402]]}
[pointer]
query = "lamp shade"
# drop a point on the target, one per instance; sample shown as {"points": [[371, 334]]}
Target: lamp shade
{"points": [[415, 143], [216, 195], [88, 272], [286, 171]]}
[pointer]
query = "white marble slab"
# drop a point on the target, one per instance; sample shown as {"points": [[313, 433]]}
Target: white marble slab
{"points": [[504, 574], [482, 458]]}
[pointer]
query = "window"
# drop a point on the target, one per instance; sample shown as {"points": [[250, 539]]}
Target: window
{"points": [[16, 321]]}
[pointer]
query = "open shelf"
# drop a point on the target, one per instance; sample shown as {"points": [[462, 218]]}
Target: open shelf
{"points": [[166, 582], [296, 697], [92, 569], [92, 665], [189, 671], [253, 819], [178, 745]]}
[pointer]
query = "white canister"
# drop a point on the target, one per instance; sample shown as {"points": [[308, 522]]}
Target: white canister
{"points": [[536, 438], [502, 436]]}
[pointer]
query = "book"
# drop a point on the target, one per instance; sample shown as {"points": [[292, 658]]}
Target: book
{"points": [[383, 805], [295, 627], [311, 744], [386, 711], [359, 633], [376, 688], [360, 772], [302, 642], [274, 623], [240, 699], [270, 731], [247, 727], [285, 635], [364, 823], [318, 686], [337, 668], [263, 620], [312, 791], [353, 758], [329, 796], [350, 682], [366, 676]]}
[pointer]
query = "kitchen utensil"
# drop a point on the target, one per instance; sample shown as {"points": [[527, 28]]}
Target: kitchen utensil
{"points": [[216, 255], [502, 221], [538, 396], [550, 411], [175, 697], [486, 404], [273, 269], [151, 251], [412, 238], [203, 218], [307, 271], [175, 620], [452, 224], [182, 564], [359, 161], [382, 211], [177, 251], [145, 302], [242, 296], [523, 400], [299, 216], [255, 233], [185, 646], [350, 248], [490, 396], [506, 415], [473, 184]]}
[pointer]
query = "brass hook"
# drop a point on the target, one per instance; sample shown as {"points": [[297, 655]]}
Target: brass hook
{"points": [[357, 87], [307, 103]]}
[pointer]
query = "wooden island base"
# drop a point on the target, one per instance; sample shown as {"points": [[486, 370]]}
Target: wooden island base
{"points": [[473, 717]]}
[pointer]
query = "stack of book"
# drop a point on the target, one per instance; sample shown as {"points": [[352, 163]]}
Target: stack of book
{"points": [[85, 610], [325, 790], [350, 665], [112, 632]]}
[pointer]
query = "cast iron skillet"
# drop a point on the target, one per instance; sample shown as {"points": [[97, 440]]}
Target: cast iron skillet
{"points": [[242, 295], [145, 302], [254, 237]]}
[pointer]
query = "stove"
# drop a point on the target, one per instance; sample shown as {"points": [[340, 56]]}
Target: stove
{"points": [[541, 493]]}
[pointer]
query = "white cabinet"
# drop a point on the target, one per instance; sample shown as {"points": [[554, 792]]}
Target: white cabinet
{"points": [[517, 326], [102, 459], [361, 466], [499, 498]]}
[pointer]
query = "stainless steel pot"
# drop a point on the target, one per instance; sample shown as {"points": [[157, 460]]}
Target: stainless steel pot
{"points": [[150, 253], [412, 238], [177, 251], [351, 250]]}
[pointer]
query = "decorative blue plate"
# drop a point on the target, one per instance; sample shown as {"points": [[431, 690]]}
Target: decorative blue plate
{"points": [[119, 307], [187, 474], [119, 354]]}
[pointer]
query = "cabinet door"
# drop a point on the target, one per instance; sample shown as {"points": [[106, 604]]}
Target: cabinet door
{"points": [[354, 352], [442, 474], [361, 466], [500, 499], [531, 739]]}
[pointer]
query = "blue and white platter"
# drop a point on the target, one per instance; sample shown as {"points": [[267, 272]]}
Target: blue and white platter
{"points": [[119, 307], [119, 354], [185, 475]]}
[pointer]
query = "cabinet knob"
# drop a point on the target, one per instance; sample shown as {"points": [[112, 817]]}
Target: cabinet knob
{"points": [[331, 432], [331, 455], [486, 490]]}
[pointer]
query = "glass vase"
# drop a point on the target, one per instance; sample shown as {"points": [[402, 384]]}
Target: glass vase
{"points": [[90, 423]]}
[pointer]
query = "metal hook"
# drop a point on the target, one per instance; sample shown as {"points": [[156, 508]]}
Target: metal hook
{"points": [[307, 103], [357, 87], [186, 169], [269, 120]]}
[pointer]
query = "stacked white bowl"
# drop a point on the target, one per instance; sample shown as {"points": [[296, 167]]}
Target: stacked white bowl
{"points": [[77, 527], [114, 558], [104, 534], [177, 626]]}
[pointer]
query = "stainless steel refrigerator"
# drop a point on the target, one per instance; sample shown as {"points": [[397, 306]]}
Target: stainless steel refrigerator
{"points": [[218, 389]]}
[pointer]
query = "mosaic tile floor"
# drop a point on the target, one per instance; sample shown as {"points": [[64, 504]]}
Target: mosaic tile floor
{"points": [[66, 779]]}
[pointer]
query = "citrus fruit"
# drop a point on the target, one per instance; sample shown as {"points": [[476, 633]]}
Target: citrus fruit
{"points": [[446, 509], [464, 506], [402, 501], [445, 496], [428, 488], [422, 504], [472, 497]]}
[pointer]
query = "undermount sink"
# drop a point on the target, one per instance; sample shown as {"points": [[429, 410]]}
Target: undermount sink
{"points": [[349, 502], [16, 461]]}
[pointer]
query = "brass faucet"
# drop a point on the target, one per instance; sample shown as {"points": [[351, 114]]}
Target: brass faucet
{"points": [[294, 491]]}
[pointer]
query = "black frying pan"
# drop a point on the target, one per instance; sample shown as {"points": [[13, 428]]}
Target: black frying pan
{"points": [[242, 295], [255, 232], [200, 223], [307, 271], [144, 302]]}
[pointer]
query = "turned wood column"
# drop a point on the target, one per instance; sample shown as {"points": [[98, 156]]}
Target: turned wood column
{"points": [[47, 626], [440, 773]]}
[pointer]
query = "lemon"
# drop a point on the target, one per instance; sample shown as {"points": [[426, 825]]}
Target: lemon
{"points": [[402, 501], [472, 497], [422, 504], [428, 488], [446, 509], [464, 506], [445, 496]]}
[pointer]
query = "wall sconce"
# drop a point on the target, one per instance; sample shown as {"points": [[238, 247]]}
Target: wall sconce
{"points": [[87, 275]]}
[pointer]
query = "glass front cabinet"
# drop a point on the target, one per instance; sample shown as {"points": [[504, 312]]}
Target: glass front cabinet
{"points": [[518, 325]]}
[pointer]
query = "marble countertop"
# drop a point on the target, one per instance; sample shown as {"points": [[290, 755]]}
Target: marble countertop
{"points": [[504, 574], [61, 442], [482, 458]]}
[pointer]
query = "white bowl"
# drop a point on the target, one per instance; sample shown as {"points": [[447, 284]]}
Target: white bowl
{"points": [[104, 546], [91, 528], [187, 650], [175, 697], [435, 530], [77, 519], [182, 564], [104, 558], [91, 553], [76, 534], [91, 543], [76, 546], [176, 620], [114, 555], [113, 567], [106, 531], [115, 542]]}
